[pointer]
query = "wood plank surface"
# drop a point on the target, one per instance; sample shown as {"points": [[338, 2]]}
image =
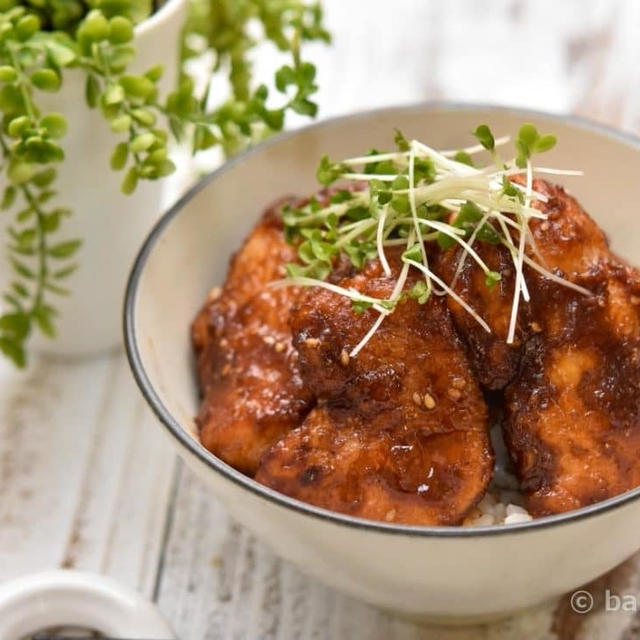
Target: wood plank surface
{"points": [[87, 479]]}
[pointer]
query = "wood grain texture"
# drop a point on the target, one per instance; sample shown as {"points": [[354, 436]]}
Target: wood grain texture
{"points": [[86, 477]]}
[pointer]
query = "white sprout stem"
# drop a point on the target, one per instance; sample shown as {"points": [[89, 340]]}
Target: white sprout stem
{"points": [[303, 281], [414, 210], [374, 327], [558, 172], [472, 239], [557, 279], [519, 288], [503, 221], [446, 163], [383, 177], [452, 293], [550, 275], [363, 226], [463, 243], [397, 290], [380, 242], [378, 157]]}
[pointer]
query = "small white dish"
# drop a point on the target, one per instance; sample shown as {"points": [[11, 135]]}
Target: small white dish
{"points": [[41, 601], [452, 574]]}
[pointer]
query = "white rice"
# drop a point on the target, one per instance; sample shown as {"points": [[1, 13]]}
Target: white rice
{"points": [[503, 502]]}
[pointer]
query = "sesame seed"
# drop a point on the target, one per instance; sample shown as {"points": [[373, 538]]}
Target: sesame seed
{"points": [[535, 326], [390, 515], [281, 271], [226, 370], [280, 347], [429, 401], [224, 343], [417, 398], [459, 383], [312, 342], [344, 357], [454, 394], [545, 226], [270, 340], [634, 300], [214, 294]]}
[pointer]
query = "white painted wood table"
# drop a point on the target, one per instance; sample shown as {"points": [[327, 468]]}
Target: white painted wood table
{"points": [[87, 479]]}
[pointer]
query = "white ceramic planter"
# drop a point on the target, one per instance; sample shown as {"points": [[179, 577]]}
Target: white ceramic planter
{"points": [[453, 574], [111, 224]]}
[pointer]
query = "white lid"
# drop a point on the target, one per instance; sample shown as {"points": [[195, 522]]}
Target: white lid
{"points": [[77, 599]]}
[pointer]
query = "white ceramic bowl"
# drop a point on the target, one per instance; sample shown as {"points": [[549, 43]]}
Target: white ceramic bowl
{"points": [[446, 573]]}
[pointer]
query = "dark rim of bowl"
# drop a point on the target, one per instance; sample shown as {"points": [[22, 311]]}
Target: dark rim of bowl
{"points": [[228, 472]]}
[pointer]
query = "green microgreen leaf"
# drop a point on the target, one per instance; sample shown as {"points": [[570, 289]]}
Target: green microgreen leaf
{"points": [[401, 142], [328, 172], [420, 292], [485, 137], [464, 157]]}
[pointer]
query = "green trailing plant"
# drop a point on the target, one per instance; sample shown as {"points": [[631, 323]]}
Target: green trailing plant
{"points": [[42, 40]]}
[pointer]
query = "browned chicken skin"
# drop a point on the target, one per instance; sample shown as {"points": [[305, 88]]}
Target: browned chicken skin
{"points": [[253, 393], [401, 432], [572, 378]]}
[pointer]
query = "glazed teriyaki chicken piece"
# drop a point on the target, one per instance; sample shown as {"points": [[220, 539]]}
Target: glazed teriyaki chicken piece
{"points": [[572, 376], [253, 393], [400, 433]]}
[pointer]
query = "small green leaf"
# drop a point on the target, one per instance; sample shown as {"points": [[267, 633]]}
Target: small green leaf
{"points": [[130, 181], [328, 172], [46, 79], [92, 91], [545, 143], [7, 74], [304, 107], [137, 86], [120, 124], [13, 350], [528, 134], [491, 278], [142, 142], [27, 26], [114, 94], [20, 172], [360, 306], [120, 30], [64, 249], [55, 124], [8, 197], [464, 158], [401, 142], [94, 27], [119, 156], [16, 324], [420, 292], [155, 73], [61, 274], [413, 253], [485, 137], [22, 269], [44, 321], [144, 116], [44, 178]]}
